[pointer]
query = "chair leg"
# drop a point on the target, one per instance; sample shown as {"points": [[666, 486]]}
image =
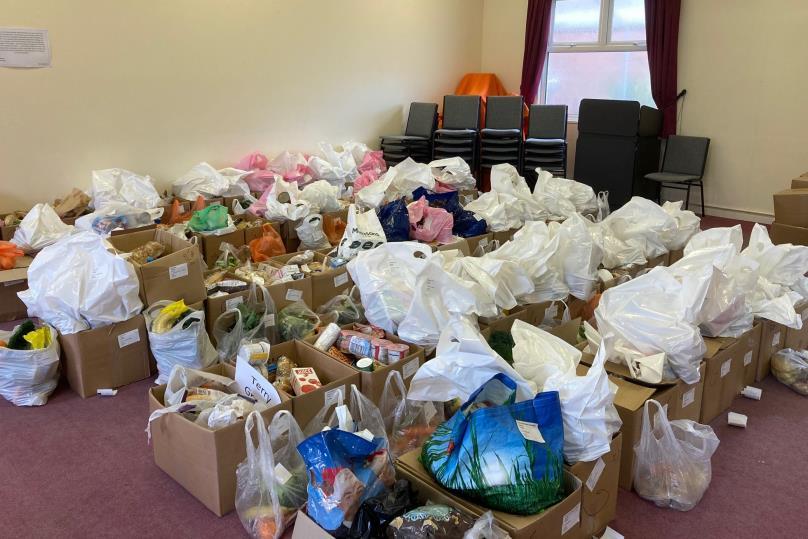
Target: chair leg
{"points": [[701, 189], [687, 197]]}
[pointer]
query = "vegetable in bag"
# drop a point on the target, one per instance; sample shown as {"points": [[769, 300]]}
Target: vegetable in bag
{"points": [[407, 422], [29, 364]]}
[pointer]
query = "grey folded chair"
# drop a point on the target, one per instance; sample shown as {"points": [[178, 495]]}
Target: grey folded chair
{"points": [[501, 139], [416, 142], [546, 142], [683, 165], [460, 130]]}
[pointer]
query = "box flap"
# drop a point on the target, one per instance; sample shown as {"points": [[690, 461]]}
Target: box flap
{"points": [[716, 344], [19, 272], [629, 395], [567, 332]]}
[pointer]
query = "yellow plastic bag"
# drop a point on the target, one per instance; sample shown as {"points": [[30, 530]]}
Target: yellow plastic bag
{"points": [[168, 315], [39, 339]]}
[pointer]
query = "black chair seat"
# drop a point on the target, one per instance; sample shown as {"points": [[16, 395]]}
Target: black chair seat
{"points": [[500, 133], [671, 177], [545, 142]]}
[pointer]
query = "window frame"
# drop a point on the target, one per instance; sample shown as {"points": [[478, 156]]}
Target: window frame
{"points": [[604, 44]]}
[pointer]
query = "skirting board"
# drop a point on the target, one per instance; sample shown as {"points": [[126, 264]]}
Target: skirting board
{"points": [[718, 211]]}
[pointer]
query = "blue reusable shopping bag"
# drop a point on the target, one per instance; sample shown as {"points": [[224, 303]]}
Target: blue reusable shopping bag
{"points": [[503, 455], [395, 220]]}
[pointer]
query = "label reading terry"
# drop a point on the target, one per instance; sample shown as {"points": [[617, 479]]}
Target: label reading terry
{"points": [[340, 280], [725, 367], [747, 358], [594, 475], [688, 397], [130, 337], [530, 431], [776, 338], [232, 303], [180, 270], [333, 396], [282, 475], [293, 294], [571, 519], [409, 368]]}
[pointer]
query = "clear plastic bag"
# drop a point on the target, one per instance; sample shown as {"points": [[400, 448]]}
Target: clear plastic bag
{"points": [[296, 321], [486, 528], [346, 308], [271, 481], [407, 422], [28, 377], [672, 460], [790, 367], [247, 321]]}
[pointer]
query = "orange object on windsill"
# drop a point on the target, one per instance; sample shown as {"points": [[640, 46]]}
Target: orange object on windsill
{"points": [[268, 245], [8, 252]]}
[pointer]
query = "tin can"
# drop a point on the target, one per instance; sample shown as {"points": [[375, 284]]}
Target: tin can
{"points": [[365, 364], [379, 349], [396, 352], [255, 352]]}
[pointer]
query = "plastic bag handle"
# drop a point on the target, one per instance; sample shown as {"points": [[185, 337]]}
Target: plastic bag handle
{"points": [[646, 422], [394, 381]]}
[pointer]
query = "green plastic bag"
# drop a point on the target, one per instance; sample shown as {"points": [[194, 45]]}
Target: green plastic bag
{"points": [[211, 218]]}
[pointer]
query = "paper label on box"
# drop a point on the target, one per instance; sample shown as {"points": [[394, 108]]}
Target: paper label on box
{"points": [[180, 270], [334, 396], [340, 280], [747, 358], [409, 368], [594, 475], [282, 475], [294, 294], [269, 320], [571, 519], [776, 338], [252, 384], [688, 397], [725, 367], [232, 303], [130, 337], [530, 431]]}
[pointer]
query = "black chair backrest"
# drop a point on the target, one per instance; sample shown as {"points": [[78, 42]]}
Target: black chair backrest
{"points": [[504, 112], [422, 120], [609, 117], [461, 112], [547, 121], [685, 155]]}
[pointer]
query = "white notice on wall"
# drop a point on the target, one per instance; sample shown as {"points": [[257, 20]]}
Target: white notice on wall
{"points": [[24, 47]]}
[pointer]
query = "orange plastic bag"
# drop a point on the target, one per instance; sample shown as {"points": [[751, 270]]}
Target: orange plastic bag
{"points": [[268, 245], [8, 252], [175, 214], [334, 228]]}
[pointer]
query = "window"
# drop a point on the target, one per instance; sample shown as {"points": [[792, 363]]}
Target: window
{"points": [[597, 49]]}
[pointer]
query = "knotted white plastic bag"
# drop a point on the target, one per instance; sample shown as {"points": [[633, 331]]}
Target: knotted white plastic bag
{"points": [[454, 172], [39, 228], [118, 185], [28, 377], [578, 257]]}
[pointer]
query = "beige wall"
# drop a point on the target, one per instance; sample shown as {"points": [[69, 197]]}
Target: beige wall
{"points": [[156, 87], [504, 40]]}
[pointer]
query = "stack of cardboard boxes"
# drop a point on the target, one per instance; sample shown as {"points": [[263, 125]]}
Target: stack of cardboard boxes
{"points": [[791, 213]]}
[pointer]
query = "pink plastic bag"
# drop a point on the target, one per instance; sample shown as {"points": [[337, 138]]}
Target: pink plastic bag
{"points": [[253, 161], [430, 224], [364, 179], [443, 188], [373, 161], [291, 167], [261, 179]]}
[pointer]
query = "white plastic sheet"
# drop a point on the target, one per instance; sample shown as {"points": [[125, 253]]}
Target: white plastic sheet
{"points": [[39, 228], [186, 344], [124, 187], [463, 362], [454, 172], [28, 377], [79, 283]]}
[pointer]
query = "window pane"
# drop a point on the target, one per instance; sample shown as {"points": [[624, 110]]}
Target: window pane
{"points": [[572, 76], [576, 21], [628, 20]]}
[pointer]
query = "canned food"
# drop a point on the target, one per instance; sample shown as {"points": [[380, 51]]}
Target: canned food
{"points": [[396, 352]]}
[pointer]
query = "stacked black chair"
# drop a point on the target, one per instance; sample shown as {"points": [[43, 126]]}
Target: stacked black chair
{"points": [[461, 129], [546, 144], [501, 139], [416, 142]]}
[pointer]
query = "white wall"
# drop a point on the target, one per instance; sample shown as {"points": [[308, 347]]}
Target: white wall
{"points": [[156, 87]]}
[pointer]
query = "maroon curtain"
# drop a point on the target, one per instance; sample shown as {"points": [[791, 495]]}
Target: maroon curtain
{"points": [[662, 37], [537, 34]]}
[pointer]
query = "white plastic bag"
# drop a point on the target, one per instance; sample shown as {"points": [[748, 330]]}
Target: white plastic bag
{"points": [[502, 280], [79, 283], [117, 215], [561, 198], [672, 460], [782, 264], [363, 232], [310, 232], [486, 527], [321, 196], [334, 166], [118, 185], [506, 181], [399, 181], [500, 211], [644, 223], [463, 362], [186, 344], [28, 377], [385, 277], [39, 228], [454, 172], [687, 224], [204, 180], [578, 257], [229, 329], [180, 379], [716, 237]]}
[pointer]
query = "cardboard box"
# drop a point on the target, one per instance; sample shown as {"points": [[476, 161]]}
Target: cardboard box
{"points": [[772, 339], [801, 182], [505, 322], [324, 286], [796, 339], [483, 240], [336, 378], [781, 234], [687, 402], [504, 235], [675, 256], [599, 491], [661, 260], [13, 281], [751, 353], [175, 275], [459, 243], [209, 244], [7, 232], [372, 383], [722, 375], [791, 207], [202, 460], [107, 357], [185, 207], [560, 520]]}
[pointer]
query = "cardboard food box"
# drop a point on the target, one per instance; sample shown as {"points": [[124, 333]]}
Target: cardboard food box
{"points": [[801, 182], [687, 402], [7, 232], [504, 235], [772, 340], [560, 520], [336, 378], [599, 491], [781, 234], [483, 240], [791, 207], [675, 256], [722, 375], [796, 339], [209, 244], [175, 275], [202, 460], [751, 353], [13, 281], [459, 243], [661, 260], [325, 285], [185, 207], [107, 357], [537, 312], [372, 383], [505, 322]]}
